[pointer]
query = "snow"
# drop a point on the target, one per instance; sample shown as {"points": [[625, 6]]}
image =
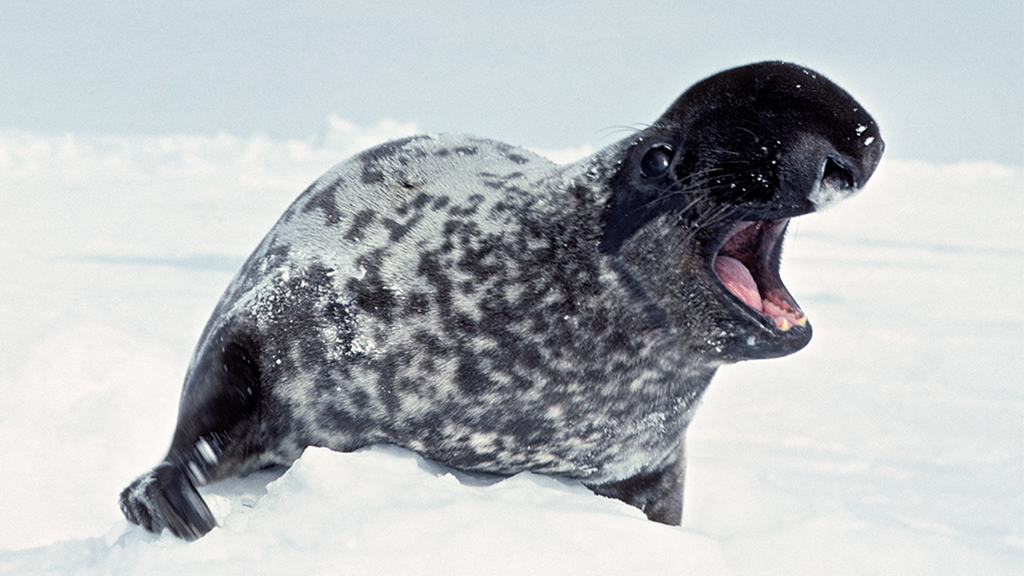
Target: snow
{"points": [[893, 444]]}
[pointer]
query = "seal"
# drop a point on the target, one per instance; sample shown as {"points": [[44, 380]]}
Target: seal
{"points": [[496, 312]]}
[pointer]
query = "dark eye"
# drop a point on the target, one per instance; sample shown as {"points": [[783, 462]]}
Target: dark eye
{"points": [[655, 161]]}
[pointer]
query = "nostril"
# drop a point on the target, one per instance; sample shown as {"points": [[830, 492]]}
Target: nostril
{"points": [[836, 175]]}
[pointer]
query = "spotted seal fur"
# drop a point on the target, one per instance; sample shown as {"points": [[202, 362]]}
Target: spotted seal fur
{"points": [[496, 312]]}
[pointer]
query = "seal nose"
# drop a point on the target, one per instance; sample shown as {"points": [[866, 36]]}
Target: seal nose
{"points": [[834, 172], [844, 172], [874, 147]]}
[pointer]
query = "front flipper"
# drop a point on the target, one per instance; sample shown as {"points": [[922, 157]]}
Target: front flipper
{"points": [[659, 494], [165, 498]]}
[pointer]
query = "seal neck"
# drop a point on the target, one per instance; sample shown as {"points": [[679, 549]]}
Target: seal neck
{"points": [[596, 172]]}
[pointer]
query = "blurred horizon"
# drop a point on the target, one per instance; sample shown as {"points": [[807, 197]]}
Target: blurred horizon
{"points": [[942, 79]]}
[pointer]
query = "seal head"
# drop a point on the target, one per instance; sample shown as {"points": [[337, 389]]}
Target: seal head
{"points": [[721, 173]]}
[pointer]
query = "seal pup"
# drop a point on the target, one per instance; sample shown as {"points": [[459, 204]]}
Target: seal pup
{"points": [[496, 312]]}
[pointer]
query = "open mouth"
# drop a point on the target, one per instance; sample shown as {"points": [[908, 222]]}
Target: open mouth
{"points": [[747, 264]]}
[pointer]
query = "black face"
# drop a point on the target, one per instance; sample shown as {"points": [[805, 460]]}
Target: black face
{"points": [[718, 176]]}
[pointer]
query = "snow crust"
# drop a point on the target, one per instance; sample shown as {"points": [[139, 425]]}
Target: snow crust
{"points": [[893, 444]]}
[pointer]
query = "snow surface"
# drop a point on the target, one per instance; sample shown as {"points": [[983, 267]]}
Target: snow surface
{"points": [[893, 444]]}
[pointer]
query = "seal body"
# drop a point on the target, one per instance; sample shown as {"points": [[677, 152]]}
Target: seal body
{"points": [[496, 312]]}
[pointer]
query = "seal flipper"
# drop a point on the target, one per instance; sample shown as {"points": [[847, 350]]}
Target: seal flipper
{"points": [[659, 493], [165, 498], [214, 438], [219, 413]]}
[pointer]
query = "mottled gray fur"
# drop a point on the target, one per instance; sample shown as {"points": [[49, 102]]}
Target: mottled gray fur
{"points": [[398, 304]]}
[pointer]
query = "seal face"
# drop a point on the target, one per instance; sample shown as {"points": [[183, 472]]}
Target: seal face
{"points": [[496, 312]]}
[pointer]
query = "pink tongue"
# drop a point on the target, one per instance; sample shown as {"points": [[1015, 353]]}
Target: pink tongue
{"points": [[738, 280]]}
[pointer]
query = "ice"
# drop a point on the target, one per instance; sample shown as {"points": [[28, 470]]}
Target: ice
{"points": [[891, 445]]}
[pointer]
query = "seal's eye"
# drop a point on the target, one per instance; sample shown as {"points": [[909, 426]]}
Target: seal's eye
{"points": [[655, 161]]}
